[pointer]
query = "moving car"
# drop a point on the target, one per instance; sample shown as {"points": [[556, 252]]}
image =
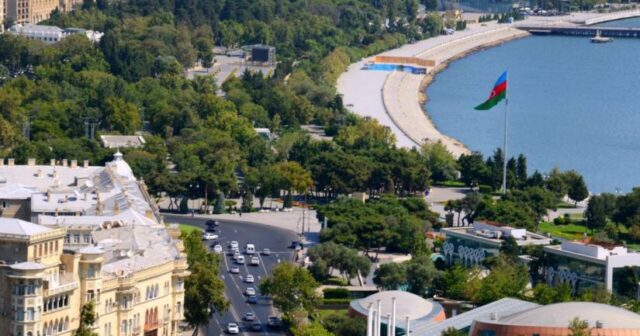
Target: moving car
{"points": [[250, 249], [249, 278], [234, 270], [234, 244], [236, 255], [256, 326], [209, 236], [255, 261], [249, 316], [217, 249], [266, 252], [233, 328], [273, 322], [212, 223], [240, 260], [250, 291], [296, 245], [252, 299]]}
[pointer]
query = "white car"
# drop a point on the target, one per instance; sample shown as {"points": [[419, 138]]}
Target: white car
{"points": [[235, 270], [249, 278], [255, 261], [250, 291], [234, 244], [250, 249], [236, 255], [217, 249], [233, 328], [240, 260], [209, 236]]}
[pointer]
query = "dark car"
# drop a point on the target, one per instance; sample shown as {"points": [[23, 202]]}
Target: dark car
{"points": [[212, 223], [252, 299], [256, 326], [295, 244], [273, 322]]}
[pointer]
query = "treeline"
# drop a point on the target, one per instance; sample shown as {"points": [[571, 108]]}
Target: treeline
{"points": [[614, 218]]}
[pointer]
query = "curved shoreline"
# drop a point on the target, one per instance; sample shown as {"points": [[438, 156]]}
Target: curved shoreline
{"points": [[405, 106], [391, 97]]}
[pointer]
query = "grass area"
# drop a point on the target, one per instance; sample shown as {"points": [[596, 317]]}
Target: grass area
{"points": [[186, 228], [337, 281], [569, 231], [324, 313]]}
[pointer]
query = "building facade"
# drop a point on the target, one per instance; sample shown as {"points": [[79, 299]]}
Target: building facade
{"points": [[34, 11], [469, 246], [588, 266], [85, 234]]}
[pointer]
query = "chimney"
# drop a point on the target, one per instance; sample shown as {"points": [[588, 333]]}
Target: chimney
{"points": [[66, 198], [85, 163], [52, 162], [31, 162], [74, 163], [494, 316], [11, 162], [39, 173], [55, 174], [1, 162], [64, 162]]}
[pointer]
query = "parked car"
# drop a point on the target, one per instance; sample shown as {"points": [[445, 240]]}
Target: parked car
{"points": [[255, 261], [249, 316], [249, 278], [266, 252], [252, 299], [209, 236]]}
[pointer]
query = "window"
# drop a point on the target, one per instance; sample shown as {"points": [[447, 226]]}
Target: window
{"points": [[4, 204], [91, 272], [487, 333], [87, 238], [67, 239], [76, 238]]}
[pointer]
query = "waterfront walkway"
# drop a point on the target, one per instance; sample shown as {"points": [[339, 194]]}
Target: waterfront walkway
{"points": [[394, 98]]}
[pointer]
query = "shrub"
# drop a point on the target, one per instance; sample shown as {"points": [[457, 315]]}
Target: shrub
{"points": [[336, 293]]}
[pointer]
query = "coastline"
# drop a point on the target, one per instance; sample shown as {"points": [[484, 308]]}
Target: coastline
{"points": [[405, 107], [429, 78]]}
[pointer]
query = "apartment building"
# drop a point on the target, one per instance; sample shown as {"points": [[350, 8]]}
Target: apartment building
{"points": [[34, 11], [71, 234]]}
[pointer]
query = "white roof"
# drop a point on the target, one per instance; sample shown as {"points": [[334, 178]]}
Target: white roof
{"points": [[14, 226], [559, 315], [27, 266], [15, 191], [407, 304], [122, 141]]}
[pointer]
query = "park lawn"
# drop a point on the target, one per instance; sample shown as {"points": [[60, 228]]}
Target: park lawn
{"points": [[187, 229], [569, 231], [324, 313]]}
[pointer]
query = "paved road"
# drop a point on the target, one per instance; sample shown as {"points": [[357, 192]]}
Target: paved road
{"points": [[262, 236]]}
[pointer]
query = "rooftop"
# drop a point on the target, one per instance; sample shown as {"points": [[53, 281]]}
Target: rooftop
{"points": [[559, 315], [590, 251], [494, 233], [122, 141], [464, 320], [407, 304], [18, 227], [27, 266]]}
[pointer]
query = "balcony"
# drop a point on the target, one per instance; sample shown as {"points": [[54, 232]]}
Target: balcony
{"points": [[150, 326], [126, 282], [136, 330], [66, 283]]}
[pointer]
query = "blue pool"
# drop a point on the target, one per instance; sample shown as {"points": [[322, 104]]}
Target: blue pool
{"points": [[395, 67]]}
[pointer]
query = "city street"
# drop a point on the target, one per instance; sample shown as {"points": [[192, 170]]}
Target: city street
{"points": [[262, 236]]}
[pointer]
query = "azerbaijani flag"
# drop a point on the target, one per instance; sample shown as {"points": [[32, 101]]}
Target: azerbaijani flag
{"points": [[498, 93]]}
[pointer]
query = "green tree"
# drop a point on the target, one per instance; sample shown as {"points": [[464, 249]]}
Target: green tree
{"points": [[344, 325], [122, 116], [579, 327], [292, 289], [421, 273], [506, 279], [510, 248], [451, 331], [577, 191], [545, 294], [390, 276], [87, 319], [204, 290], [440, 161]]}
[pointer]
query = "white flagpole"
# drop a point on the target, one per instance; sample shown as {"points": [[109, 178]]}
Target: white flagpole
{"points": [[504, 148]]}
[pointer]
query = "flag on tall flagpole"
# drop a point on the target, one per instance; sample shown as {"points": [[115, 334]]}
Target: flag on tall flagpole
{"points": [[498, 93]]}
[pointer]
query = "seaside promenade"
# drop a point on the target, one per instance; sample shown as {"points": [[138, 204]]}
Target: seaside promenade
{"points": [[395, 99]]}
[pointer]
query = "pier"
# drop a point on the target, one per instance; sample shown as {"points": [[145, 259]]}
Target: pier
{"points": [[582, 31]]}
